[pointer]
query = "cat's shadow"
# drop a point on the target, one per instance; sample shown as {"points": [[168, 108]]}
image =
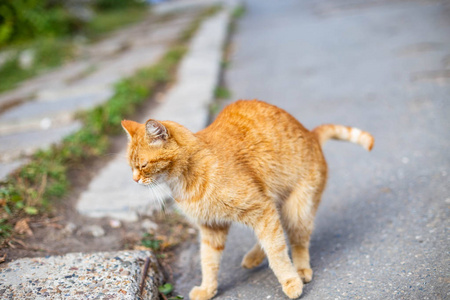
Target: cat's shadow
{"points": [[340, 229]]}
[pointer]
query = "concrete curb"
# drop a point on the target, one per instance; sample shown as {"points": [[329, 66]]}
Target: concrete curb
{"points": [[104, 275]]}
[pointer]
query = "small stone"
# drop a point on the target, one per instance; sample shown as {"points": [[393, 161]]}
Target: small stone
{"points": [[115, 223], [148, 225], [191, 231], [26, 59], [69, 228], [92, 230], [45, 123]]}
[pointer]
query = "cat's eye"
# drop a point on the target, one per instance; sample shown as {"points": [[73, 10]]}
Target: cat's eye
{"points": [[143, 166]]}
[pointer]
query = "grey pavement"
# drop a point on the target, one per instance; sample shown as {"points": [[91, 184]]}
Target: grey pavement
{"points": [[103, 275], [383, 66]]}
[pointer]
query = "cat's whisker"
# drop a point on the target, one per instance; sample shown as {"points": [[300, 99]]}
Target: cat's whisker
{"points": [[162, 196], [157, 194], [165, 195], [153, 195]]}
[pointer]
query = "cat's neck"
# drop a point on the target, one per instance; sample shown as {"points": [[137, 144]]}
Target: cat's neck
{"points": [[198, 171]]}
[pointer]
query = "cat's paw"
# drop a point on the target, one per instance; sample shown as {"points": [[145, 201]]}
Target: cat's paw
{"points": [[252, 260], [305, 274], [200, 293], [293, 287]]}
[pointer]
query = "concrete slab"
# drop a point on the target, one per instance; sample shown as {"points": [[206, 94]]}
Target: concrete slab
{"points": [[16, 145], [113, 193], [7, 168], [104, 275], [56, 78], [49, 114]]}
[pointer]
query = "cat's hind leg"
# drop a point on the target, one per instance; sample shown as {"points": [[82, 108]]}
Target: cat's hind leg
{"points": [[254, 257], [270, 233], [297, 214]]}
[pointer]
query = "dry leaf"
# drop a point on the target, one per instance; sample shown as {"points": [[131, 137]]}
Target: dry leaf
{"points": [[2, 202], [22, 227], [3, 258]]}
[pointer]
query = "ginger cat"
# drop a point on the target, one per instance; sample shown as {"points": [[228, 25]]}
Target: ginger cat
{"points": [[256, 165]]}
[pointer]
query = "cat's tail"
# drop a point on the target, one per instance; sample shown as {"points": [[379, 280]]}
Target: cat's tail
{"points": [[344, 133]]}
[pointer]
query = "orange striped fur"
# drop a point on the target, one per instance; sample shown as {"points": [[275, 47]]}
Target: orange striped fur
{"points": [[344, 133], [255, 165]]}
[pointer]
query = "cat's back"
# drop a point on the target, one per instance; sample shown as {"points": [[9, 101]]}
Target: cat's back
{"points": [[255, 126], [256, 140], [259, 112], [256, 119]]}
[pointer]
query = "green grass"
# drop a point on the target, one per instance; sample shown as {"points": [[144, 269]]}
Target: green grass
{"points": [[32, 189], [52, 52], [47, 54], [149, 241], [222, 92], [238, 12], [5, 228], [108, 21]]}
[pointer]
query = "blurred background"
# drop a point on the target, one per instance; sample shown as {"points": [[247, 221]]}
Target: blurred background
{"points": [[36, 35], [70, 71]]}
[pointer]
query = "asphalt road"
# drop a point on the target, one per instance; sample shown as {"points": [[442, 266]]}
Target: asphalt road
{"points": [[383, 66]]}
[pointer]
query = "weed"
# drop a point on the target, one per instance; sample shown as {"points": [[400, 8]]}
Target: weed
{"points": [[5, 229], [110, 20], [165, 288], [238, 12], [149, 241], [222, 92]]}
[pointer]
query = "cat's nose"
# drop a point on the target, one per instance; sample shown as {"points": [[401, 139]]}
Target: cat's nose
{"points": [[136, 175]]}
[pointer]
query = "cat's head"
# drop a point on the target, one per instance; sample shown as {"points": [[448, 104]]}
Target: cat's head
{"points": [[156, 149]]}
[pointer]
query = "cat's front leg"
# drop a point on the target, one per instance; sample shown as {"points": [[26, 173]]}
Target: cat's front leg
{"points": [[212, 243]]}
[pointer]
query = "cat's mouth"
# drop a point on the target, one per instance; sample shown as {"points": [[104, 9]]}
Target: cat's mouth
{"points": [[146, 181], [160, 178]]}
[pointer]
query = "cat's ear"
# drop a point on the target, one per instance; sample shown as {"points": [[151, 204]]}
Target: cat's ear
{"points": [[156, 132], [130, 127]]}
